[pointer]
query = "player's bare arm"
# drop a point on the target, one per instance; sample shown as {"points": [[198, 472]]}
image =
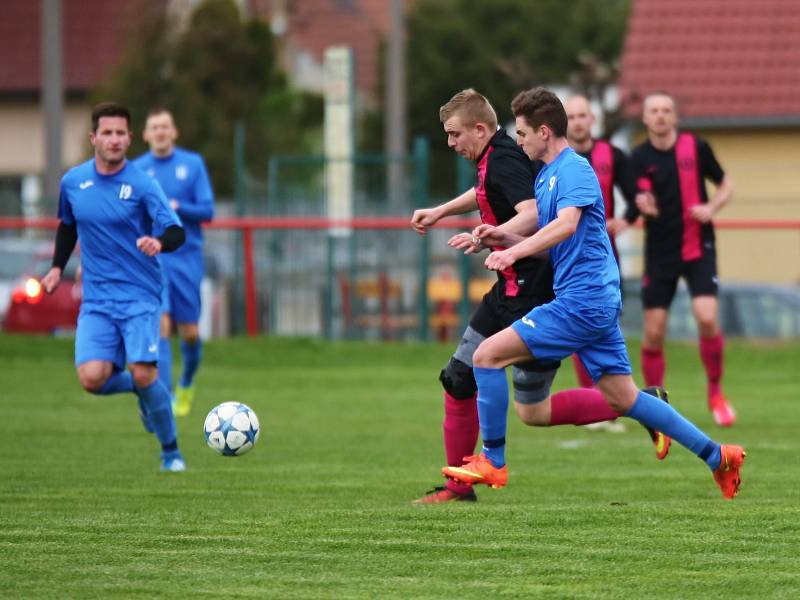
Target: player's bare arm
{"points": [[555, 232], [51, 280], [722, 195], [66, 238], [513, 231], [428, 217]]}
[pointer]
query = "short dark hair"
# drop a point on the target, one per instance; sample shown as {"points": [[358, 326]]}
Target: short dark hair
{"points": [[109, 109], [159, 110], [540, 106]]}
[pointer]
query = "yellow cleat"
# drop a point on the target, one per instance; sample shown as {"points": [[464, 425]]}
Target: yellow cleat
{"points": [[182, 404]]}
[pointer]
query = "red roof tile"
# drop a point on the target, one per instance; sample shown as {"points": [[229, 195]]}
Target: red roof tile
{"points": [[721, 59], [94, 35]]}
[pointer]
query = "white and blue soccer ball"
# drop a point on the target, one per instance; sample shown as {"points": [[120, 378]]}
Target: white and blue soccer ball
{"points": [[231, 428]]}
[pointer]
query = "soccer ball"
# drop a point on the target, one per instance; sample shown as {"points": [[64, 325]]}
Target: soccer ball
{"points": [[231, 428]]}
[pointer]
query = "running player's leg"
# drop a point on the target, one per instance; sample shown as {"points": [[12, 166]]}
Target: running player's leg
{"points": [[701, 278], [617, 385], [140, 334], [185, 283], [460, 425], [658, 290], [100, 355], [164, 347], [489, 362]]}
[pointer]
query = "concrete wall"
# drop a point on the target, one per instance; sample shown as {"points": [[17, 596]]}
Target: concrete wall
{"points": [[22, 142]]}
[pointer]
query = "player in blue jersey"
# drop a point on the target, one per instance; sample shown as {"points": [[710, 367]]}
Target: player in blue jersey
{"points": [[123, 221], [583, 318], [183, 177]]}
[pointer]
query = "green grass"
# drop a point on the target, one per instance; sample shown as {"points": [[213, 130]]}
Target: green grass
{"points": [[351, 433]]}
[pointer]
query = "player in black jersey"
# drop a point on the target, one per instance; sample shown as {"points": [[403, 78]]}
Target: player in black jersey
{"points": [[503, 193], [671, 167]]}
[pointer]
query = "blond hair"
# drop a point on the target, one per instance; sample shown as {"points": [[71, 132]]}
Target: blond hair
{"points": [[471, 107]]}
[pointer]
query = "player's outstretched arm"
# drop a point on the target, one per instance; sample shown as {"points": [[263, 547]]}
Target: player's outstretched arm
{"points": [[428, 217], [525, 222], [555, 232]]}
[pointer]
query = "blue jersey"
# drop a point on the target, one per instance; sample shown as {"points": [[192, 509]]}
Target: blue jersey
{"points": [[111, 212], [183, 177], [585, 270]]}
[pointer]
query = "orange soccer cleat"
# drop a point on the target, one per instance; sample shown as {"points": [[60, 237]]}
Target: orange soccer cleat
{"points": [[478, 469], [441, 494], [724, 415], [727, 474]]}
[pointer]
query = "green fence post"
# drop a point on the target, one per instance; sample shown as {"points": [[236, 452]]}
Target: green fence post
{"points": [[465, 177], [421, 160]]}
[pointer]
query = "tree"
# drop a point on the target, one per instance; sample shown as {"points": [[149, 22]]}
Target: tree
{"points": [[502, 47], [213, 72]]}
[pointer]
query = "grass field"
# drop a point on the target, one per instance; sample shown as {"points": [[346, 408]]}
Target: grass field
{"points": [[351, 433]]}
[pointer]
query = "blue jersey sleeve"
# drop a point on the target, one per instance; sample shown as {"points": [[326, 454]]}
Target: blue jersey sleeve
{"points": [[159, 210], [577, 186], [64, 207], [203, 207]]}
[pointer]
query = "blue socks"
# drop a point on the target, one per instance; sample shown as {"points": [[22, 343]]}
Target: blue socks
{"points": [[165, 363], [659, 415], [191, 360], [493, 412], [156, 400], [119, 382]]}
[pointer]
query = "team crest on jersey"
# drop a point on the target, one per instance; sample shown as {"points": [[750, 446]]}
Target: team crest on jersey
{"points": [[181, 172], [125, 191]]}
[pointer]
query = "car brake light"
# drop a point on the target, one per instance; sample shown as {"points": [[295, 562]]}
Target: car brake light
{"points": [[33, 290]]}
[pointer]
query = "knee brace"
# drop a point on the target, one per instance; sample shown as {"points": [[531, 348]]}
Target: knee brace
{"points": [[458, 380], [532, 381]]}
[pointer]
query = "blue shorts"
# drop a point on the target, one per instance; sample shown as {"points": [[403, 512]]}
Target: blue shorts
{"points": [[117, 339], [166, 305], [555, 330], [184, 274]]}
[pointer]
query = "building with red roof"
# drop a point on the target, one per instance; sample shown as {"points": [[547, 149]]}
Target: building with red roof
{"points": [[95, 34], [733, 67]]}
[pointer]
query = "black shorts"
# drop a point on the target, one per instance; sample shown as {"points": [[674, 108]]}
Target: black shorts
{"points": [[498, 311], [660, 279]]}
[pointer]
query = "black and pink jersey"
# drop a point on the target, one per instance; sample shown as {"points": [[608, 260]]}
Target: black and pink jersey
{"points": [[674, 236], [504, 178]]}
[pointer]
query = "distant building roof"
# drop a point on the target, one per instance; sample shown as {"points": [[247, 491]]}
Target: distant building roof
{"points": [[313, 25], [725, 61], [94, 35]]}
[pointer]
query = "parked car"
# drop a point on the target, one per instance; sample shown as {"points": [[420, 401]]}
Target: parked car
{"points": [[745, 310], [16, 255], [31, 310]]}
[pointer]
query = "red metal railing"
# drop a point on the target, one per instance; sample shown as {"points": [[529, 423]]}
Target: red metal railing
{"points": [[248, 224]]}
